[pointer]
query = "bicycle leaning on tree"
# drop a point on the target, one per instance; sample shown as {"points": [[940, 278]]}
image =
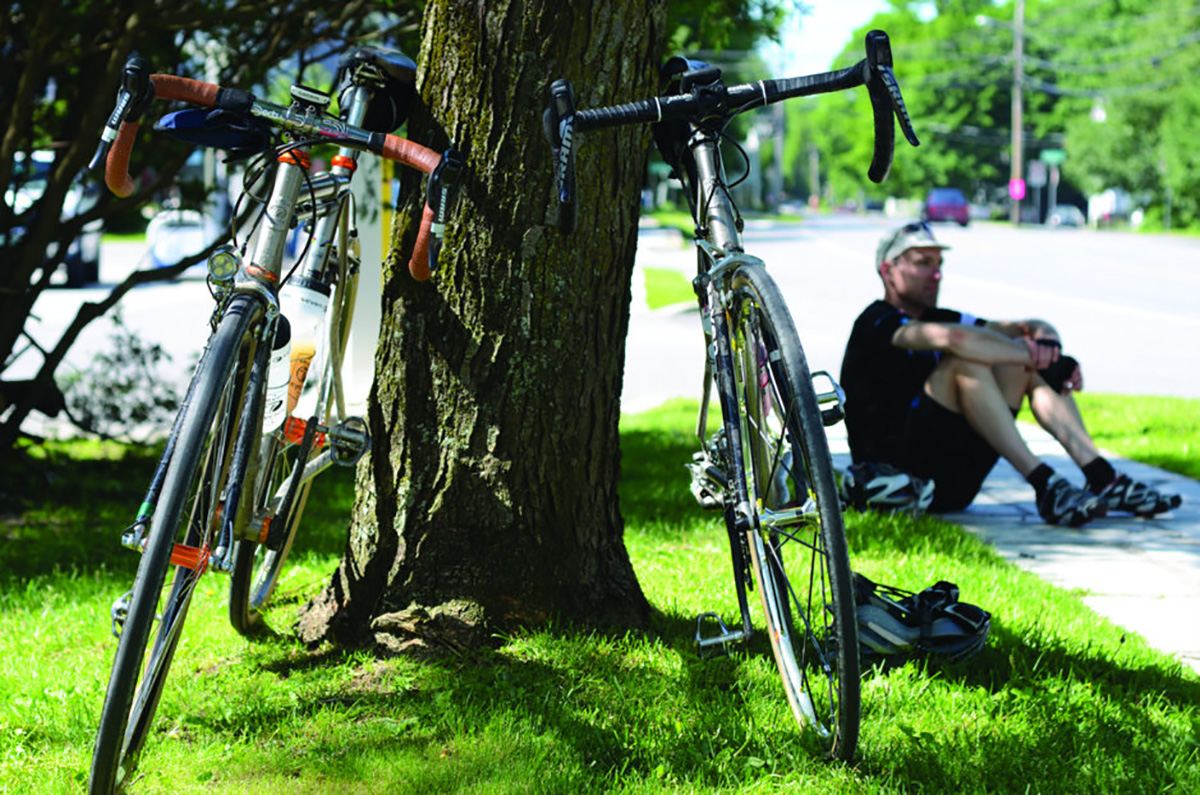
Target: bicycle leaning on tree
{"points": [[265, 411], [767, 467]]}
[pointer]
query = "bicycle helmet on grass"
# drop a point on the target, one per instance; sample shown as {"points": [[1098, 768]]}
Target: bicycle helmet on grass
{"points": [[896, 623]]}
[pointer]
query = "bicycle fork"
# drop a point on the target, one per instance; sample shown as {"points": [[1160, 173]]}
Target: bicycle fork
{"points": [[721, 474]]}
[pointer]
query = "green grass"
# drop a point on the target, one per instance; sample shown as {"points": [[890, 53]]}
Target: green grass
{"points": [[123, 237], [1162, 431], [1059, 701], [667, 287], [682, 220]]}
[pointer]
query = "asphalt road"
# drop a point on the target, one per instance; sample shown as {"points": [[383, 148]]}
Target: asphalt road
{"points": [[1125, 304]]}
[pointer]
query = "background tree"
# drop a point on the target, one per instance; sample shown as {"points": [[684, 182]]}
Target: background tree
{"points": [[1108, 82], [59, 66]]}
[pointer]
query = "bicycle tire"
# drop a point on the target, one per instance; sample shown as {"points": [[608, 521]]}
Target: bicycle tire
{"points": [[186, 513], [257, 567], [797, 543]]}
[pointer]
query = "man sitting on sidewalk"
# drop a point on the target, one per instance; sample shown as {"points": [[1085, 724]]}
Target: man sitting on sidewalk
{"points": [[936, 392]]}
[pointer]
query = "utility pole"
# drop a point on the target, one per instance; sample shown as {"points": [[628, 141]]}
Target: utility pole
{"points": [[1016, 184]]}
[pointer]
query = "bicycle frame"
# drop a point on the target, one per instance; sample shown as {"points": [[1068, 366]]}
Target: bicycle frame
{"points": [[261, 276], [719, 253], [768, 466]]}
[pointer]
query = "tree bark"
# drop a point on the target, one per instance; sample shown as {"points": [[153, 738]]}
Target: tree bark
{"points": [[491, 487]]}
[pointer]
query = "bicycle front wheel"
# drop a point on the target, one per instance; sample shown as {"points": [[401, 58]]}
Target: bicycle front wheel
{"points": [[182, 531], [797, 545]]}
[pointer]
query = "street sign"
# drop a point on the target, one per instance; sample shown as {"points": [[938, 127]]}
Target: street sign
{"points": [[1037, 174], [1053, 157]]}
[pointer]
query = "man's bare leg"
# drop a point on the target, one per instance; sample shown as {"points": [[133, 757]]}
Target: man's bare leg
{"points": [[1059, 415], [986, 397]]}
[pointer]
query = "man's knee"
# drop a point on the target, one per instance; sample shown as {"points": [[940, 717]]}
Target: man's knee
{"points": [[954, 375], [1014, 382]]}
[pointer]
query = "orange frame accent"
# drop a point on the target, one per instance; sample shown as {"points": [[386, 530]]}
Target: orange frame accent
{"points": [[297, 157], [194, 558], [293, 431]]}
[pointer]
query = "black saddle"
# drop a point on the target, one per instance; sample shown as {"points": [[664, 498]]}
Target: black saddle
{"points": [[390, 74]]}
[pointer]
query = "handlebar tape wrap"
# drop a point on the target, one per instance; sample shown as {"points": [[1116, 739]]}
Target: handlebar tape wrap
{"points": [[196, 92]]}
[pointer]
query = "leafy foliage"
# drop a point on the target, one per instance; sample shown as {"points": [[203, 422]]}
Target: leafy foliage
{"points": [[60, 63], [717, 25], [1105, 81], [121, 393]]}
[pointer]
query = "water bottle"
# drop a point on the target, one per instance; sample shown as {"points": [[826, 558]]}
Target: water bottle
{"points": [[303, 302], [279, 374]]}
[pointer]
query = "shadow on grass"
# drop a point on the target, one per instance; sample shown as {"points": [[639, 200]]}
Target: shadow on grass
{"points": [[654, 480], [64, 509], [601, 710], [573, 709], [565, 709]]}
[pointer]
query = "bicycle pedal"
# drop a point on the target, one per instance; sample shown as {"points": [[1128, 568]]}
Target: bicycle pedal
{"points": [[724, 637], [834, 394], [349, 441], [119, 612]]}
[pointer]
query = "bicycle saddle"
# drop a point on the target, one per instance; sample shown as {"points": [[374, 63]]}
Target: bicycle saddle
{"points": [[389, 73]]}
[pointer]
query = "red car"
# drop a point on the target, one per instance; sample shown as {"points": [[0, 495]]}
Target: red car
{"points": [[946, 204]]}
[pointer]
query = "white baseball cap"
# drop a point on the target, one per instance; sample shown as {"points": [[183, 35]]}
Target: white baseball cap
{"points": [[899, 240]]}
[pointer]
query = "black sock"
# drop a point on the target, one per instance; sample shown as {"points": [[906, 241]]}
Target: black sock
{"points": [[1099, 474], [1039, 478]]}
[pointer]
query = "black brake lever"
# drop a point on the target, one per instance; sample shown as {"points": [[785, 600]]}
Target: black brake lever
{"points": [[133, 98], [559, 124], [443, 184], [886, 104]]}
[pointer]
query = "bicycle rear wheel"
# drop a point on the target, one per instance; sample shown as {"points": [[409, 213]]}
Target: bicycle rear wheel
{"points": [[257, 566], [188, 513], [286, 458], [797, 545]]}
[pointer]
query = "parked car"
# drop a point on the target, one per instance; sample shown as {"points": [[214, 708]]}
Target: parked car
{"points": [[81, 265], [174, 234], [946, 204], [1066, 215]]}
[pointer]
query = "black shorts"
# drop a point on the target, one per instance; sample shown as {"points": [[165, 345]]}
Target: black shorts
{"points": [[940, 444]]}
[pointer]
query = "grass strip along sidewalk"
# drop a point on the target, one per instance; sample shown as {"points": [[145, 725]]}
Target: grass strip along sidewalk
{"points": [[1059, 700]]}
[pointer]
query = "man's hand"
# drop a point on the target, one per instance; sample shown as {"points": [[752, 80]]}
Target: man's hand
{"points": [[1064, 376], [1043, 352], [1074, 382]]}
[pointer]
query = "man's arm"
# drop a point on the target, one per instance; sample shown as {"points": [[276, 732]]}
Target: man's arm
{"points": [[977, 343], [1033, 329]]}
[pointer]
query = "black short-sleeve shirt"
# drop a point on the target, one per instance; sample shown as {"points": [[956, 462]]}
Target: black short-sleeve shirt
{"points": [[883, 381]]}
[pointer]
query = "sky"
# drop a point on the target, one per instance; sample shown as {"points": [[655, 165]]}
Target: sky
{"points": [[811, 42]]}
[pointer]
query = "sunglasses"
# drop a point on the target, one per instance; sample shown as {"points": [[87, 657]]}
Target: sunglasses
{"points": [[908, 229]]}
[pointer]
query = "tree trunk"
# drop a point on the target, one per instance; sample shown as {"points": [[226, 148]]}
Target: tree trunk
{"points": [[492, 484]]}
